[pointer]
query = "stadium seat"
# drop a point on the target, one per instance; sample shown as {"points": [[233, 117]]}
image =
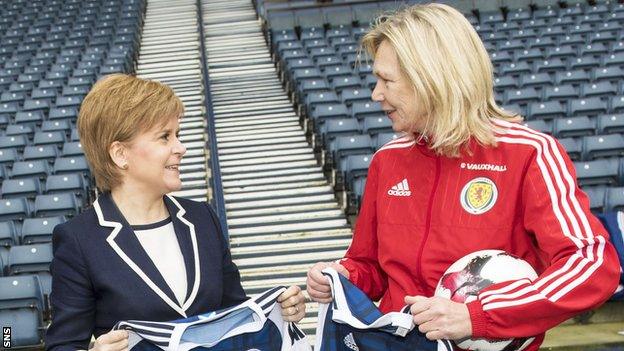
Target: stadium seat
{"points": [[591, 105], [32, 259], [597, 172], [600, 146], [617, 104], [338, 127], [524, 95], [355, 166], [39, 230], [8, 237], [323, 112], [8, 155], [13, 141], [377, 124], [550, 65], [56, 205], [572, 77], [71, 164], [28, 169], [344, 146], [547, 109], [574, 148], [25, 187], [611, 123], [40, 152], [17, 208], [560, 92], [597, 195], [614, 199], [574, 127], [21, 306], [540, 125]]}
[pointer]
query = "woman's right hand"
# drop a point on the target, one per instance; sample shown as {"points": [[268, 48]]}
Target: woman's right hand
{"points": [[317, 284], [116, 340]]}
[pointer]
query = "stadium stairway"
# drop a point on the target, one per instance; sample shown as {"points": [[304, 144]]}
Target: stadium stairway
{"points": [[170, 53], [281, 212]]}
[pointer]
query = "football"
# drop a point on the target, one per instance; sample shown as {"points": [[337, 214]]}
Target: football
{"points": [[465, 278]]}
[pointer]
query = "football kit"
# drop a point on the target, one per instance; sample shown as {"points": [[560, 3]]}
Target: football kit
{"points": [[614, 222], [254, 325], [352, 322], [422, 211]]}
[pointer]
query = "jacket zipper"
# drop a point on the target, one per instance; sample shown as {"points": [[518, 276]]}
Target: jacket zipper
{"points": [[427, 224]]}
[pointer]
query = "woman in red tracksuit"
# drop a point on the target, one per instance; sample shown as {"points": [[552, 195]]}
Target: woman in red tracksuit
{"points": [[466, 177]]}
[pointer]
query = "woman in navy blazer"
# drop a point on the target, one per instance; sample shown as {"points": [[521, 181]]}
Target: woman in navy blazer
{"points": [[102, 272]]}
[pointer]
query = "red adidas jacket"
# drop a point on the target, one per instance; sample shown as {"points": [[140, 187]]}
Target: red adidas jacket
{"points": [[422, 212]]}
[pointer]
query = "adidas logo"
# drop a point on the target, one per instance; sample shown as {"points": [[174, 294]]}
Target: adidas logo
{"points": [[350, 342], [401, 189]]}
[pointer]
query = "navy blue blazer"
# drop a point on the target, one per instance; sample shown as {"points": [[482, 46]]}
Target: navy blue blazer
{"points": [[101, 274]]}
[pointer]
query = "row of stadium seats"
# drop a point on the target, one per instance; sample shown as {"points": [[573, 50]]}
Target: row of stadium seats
{"points": [[51, 53]]}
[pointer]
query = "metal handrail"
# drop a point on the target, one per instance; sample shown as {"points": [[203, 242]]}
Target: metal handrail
{"points": [[218, 200]]}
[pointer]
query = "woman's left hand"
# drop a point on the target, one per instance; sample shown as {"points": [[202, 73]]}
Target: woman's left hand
{"points": [[293, 304], [440, 318]]}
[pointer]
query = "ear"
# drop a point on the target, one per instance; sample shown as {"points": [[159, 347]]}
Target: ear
{"points": [[117, 152]]}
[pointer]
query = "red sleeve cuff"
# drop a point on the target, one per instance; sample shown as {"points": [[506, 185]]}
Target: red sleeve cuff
{"points": [[478, 319], [352, 271]]}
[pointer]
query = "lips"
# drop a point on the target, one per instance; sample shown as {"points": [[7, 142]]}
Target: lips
{"points": [[172, 167]]}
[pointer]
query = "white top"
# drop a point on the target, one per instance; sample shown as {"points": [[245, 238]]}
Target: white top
{"points": [[161, 244]]}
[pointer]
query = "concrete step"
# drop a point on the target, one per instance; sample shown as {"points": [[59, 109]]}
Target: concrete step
{"points": [[284, 218], [282, 209], [586, 337], [294, 237]]}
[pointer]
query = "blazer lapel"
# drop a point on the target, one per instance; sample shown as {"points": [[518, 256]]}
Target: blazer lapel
{"points": [[126, 245], [187, 238]]}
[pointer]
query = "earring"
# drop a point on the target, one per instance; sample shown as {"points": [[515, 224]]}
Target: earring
{"points": [[124, 166]]}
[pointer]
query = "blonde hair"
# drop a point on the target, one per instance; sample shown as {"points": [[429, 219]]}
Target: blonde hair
{"points": [[117, 108], [450, 72]]}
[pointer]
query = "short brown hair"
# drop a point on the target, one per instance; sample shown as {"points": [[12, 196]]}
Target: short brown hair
{"points": [[117, 108]]}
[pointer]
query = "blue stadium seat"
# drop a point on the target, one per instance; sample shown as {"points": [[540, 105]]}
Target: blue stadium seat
{"points": [[8, 237], [58, 125], [8, 155], [617, 104], [573, 77], [583, 62], [382, 139], [611, 123], [355, 166], [339, 70], [351, 95], [26, 187], [19, 129], [524, 95], [325, 97], [540, 125], [11, 209], [323, 112], [32, 259], [344, 146], [547, 109], [600, 146], [339, 127], [560, 92], [597, 195], [40, 152], [377, 124], [591, 106], [363, 109], [56, 205], [39, 230], [27, 169], [614, 73], [13, 141], [574, 127], [614, 199], [307, 86], [574, 148], [70, 113], [597, 172], [21, 307], [340, 83], [61, 183], [601, 88], [71, 164], [554, 64]]}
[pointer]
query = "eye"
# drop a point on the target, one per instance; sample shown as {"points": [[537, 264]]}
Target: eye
{"points": [[165, 136]]}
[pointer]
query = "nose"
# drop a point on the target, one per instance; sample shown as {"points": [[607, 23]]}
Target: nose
{"points": [[179, 148], [377, 94]]}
